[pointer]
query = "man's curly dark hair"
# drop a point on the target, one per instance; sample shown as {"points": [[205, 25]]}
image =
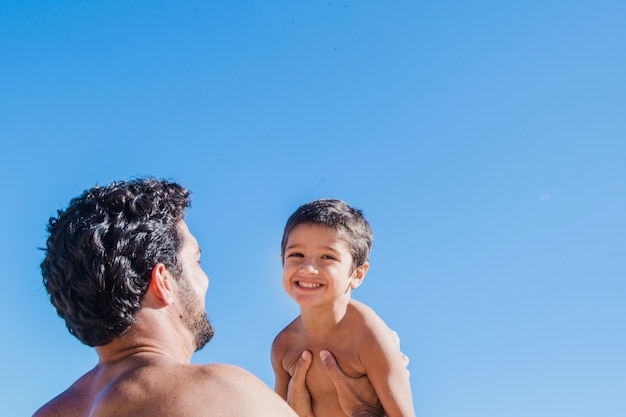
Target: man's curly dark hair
{"points": [[101, 251]]}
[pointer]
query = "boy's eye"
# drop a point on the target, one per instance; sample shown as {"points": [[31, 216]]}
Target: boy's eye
{"points": [[328, 257], [295, 255]]}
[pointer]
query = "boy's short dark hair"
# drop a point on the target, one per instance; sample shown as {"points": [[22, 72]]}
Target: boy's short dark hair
{"points": [[347, 221], [101, 250]]}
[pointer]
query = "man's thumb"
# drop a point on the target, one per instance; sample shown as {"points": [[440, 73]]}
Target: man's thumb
{"points": [[329, 362]]}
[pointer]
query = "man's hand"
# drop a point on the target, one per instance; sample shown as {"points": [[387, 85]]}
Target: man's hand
{"points": [[298, 396], [356, 395]]}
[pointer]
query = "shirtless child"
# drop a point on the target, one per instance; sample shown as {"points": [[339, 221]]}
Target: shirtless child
{"points": [[325, 251]]}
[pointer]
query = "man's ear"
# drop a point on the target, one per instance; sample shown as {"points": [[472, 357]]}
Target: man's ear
{"points": [[358, 275], [160, 286]]}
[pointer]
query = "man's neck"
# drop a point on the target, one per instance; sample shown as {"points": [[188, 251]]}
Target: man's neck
{"points": [[149, 335]]}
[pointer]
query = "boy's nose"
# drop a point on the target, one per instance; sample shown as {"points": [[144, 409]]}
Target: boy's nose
{"points": [[308, 268]]}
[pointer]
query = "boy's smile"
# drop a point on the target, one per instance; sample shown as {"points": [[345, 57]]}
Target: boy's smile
{"points": [[317, 266], [308, 284]]}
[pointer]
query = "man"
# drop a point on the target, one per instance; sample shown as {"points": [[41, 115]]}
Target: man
{"points": [[123, 270]]}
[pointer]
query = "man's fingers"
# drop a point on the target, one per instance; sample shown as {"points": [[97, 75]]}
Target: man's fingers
{"points": [[357, 396], [302, 367], [332, 369], [298, 396]]}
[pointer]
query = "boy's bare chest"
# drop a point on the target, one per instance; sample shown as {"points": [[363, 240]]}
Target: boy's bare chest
{"points": [[344, 349]]}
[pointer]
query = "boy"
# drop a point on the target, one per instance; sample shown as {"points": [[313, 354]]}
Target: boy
{"points": [[325, 250]]}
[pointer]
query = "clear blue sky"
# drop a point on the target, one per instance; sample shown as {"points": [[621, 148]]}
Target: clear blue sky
{"points": [[485, 141]]}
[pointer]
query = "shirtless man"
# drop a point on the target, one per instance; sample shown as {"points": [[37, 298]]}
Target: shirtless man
{"points": [[123, 270]]}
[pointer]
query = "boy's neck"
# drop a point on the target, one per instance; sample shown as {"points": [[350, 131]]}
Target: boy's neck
{"points": [[323, 319]]}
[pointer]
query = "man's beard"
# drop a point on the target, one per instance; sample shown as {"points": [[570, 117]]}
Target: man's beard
{"points": [[200, 327], [194, 317]]}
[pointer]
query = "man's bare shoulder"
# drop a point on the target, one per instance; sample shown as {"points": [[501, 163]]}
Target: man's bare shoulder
{"points": [[222, 390], [69, 403], [173, 391], [57, 407]]}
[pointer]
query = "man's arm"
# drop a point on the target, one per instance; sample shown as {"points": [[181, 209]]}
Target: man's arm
{"points": [[356, 395]]}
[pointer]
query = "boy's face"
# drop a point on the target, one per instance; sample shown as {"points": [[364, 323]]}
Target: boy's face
{"points": [[317, 266]]}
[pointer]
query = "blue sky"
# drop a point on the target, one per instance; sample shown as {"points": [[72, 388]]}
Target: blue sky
{"points": [[484, 141]]}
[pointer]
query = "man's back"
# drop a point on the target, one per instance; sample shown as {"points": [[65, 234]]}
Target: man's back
{"points": [[149, 385]]}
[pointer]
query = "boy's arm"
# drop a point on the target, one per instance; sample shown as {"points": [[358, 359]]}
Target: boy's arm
{"points": [[281, 377], [386, 369]]}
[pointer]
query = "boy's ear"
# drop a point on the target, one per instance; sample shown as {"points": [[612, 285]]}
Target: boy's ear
{"points": [[358, 275], [160, 287]]}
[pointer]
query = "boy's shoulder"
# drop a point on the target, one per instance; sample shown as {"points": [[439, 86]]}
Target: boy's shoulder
{"points": [[366, 322], [364, 312], [291, 330]]}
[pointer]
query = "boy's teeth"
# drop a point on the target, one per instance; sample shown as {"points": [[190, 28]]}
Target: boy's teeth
{"points": [[309, 284]]}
